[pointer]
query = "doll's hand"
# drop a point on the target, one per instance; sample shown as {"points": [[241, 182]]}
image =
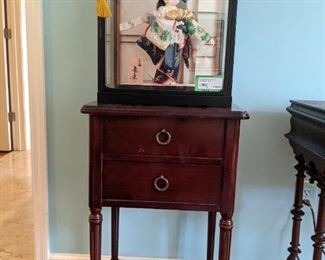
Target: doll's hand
{"points": [[179, 24], [144, 19], [211, 41], [150, 18], [194, 54]]}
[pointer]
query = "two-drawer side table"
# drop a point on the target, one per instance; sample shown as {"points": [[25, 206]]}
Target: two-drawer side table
{"points": [[163, 158]]}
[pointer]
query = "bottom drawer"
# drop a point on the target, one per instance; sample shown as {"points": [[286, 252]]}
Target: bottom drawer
{"points": [[168, 183]]}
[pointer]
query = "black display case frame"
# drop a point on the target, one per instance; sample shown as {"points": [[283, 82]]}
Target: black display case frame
{"points": [[136, 95]]}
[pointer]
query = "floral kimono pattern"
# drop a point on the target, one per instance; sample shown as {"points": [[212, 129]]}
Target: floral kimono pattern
{"points": [[170, 36]]}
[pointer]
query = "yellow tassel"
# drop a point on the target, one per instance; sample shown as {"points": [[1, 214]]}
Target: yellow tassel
{"points": [[103, 9]]}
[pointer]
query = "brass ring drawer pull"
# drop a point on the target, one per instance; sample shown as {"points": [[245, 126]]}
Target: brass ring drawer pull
{"points": [[163, 137], [161, 183]]}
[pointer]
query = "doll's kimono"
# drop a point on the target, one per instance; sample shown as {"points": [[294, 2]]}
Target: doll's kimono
{"points": [[172, 34]]}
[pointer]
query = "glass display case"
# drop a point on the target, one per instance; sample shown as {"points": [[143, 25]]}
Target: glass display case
{"points": [[167, 52]]}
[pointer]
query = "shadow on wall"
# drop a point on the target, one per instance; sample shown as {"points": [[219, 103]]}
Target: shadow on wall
{"points": [[265, 190]]}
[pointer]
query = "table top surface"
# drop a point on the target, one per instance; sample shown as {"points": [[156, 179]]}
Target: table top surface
{"points": [[307, 134], [232, 112], [312, 104]]}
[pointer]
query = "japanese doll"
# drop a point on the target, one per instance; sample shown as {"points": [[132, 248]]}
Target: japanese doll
{"points": [[173, 35]]}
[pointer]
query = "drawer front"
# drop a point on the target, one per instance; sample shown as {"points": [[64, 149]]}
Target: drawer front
{"points": [[172, 183], [163, 137]]}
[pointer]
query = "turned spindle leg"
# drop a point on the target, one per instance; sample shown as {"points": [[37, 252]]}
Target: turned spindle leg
{"points": [[211, 234], [318, 238], [95, 221], [297, 210], [115, 232], [226, 226]]}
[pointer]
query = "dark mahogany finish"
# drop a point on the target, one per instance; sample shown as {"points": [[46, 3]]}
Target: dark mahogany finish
{"points": [[115, 225], [189, 184], [139, 137], [211, 234], [163, 158], [307, 138]]}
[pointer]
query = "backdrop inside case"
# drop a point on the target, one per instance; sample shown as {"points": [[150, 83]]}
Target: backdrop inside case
{"points": [[167, 52]]}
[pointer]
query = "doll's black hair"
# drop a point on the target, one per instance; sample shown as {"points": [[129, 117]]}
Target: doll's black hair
{"points": [[181, 5], [160, 3]]}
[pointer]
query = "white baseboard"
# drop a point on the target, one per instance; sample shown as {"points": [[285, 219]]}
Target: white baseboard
{"points": [[86, 257]]}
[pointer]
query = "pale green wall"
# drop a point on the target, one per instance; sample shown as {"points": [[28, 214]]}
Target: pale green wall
{"points": [[280, 55]]}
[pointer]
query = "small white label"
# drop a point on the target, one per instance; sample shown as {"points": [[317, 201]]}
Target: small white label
{"points": [[209, 83], [132, 23]]}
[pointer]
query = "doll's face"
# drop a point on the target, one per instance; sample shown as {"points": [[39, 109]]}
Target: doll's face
{"points": [[172, 2]]}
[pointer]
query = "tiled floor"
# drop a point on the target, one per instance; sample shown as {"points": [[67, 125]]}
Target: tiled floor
{"points": [[16, 221]]}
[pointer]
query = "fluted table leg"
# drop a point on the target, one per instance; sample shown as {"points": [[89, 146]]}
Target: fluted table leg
{"points": [[226, 226], [95, 221]]}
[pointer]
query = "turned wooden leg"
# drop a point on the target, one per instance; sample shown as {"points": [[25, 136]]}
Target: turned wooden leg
{"points": [[95, 221], [297, 210], [211, 234], [319, 238], [226, 226], [115, 232]]}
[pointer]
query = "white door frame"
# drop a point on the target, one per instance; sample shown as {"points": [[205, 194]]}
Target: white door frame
{"points": [[36, 78], [16, 75], [5, 133]]}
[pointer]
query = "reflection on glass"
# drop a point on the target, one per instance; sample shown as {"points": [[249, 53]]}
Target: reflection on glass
{"points": [[167, 43]]}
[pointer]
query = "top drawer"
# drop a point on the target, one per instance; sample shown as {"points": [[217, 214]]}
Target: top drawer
{"points": [[180, 137]]}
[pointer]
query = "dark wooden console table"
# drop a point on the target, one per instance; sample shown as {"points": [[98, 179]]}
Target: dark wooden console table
{"points": [[163, 158], [307, 138]]}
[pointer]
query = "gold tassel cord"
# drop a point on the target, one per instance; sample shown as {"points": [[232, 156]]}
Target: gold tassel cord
{"points": [[103, 9]]}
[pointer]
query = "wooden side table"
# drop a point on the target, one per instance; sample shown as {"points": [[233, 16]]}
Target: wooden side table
{"points": [[307, 138], [163, 158]]}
